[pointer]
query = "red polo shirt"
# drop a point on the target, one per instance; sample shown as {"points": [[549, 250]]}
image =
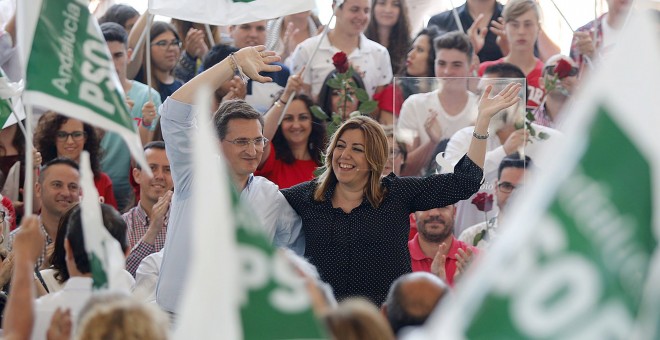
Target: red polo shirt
{"points": [[420, 263]]}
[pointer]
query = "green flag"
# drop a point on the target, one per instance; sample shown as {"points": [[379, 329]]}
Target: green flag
{"points": [[238, 285], [574, 262], [69, 69]]}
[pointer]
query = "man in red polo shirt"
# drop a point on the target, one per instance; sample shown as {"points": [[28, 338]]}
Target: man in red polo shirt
{"points": [[435, 239]]}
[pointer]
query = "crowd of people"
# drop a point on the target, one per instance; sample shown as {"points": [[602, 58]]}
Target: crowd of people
{"points": [[391, 208]]}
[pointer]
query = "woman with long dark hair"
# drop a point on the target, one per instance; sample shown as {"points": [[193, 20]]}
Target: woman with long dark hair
{"points": [[389, 27], [297, 143]]}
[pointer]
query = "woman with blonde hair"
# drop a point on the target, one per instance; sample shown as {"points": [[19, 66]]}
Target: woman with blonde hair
{"points": [[357, 319], [119, 316], [356, 223]]}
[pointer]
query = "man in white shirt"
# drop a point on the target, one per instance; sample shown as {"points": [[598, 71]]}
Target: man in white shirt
{"points": [[435, 116]]}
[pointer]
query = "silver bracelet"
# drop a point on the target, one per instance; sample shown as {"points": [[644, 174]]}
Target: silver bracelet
{"points": [[478, 136], [238, 71]]}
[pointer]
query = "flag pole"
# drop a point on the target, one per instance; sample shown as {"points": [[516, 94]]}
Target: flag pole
{"points": [[456, 16], [140, 41], [28, 187], [562, 15], [146, 32], [209, 33], [311, 58]]}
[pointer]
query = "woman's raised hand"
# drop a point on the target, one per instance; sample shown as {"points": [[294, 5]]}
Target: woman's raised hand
{"points": [[488, 106], [257, 59]]}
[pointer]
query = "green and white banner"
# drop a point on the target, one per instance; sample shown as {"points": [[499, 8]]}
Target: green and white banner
{"points": [[70, 71], [228, 12], [576, 262], [106, 258], [238, 286]]}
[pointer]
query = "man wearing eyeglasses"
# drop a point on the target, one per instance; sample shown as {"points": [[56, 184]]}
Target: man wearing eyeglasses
{"points": [[239, 128], [511, 175]]}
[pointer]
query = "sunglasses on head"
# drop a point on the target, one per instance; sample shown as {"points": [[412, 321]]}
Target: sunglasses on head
{"points": [[550, 70]]}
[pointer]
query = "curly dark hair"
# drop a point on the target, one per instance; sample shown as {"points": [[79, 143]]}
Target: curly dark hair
{"points": [[45, 139], [315, 142]]}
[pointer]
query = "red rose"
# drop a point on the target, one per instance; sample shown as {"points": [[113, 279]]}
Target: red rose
{"points": [[340, 60], [563, 69], [483, 201]]}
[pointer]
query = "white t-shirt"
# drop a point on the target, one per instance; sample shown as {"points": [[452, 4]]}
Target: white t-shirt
{"points": [[418, 107], [371, 60], [467, 213]]}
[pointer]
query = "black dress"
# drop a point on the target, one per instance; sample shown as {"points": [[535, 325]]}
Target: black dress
{"points": [[362, 252]]}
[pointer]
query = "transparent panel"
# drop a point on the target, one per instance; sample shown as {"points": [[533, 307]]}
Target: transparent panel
{"points": [[433, 130]]}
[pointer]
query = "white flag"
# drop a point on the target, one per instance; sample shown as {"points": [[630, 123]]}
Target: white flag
{"points": [[228, 12], [106, 258]]}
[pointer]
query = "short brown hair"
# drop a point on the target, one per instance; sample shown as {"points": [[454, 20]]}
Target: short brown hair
{"points": [[516, 8], [234, 109], [456, 41]]}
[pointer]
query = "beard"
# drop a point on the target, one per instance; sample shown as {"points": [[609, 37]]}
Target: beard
{"points": [[437, 236]]}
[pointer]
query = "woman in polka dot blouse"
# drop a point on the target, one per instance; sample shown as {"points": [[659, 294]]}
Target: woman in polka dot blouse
{"points": [[356, 223]]}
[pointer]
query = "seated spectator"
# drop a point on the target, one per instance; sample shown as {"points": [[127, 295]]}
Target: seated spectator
{"points": [[147, 222], [60, 136], [357, 319], [297, 144], [57, 190], [78, 287], [511, 175], [411, 299], [434, 249], [435, 116], [369, 58]]}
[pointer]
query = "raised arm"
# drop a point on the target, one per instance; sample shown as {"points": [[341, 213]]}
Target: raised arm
{"points": [[133, 37], [251, 60], [274, 115], [488, 107]]}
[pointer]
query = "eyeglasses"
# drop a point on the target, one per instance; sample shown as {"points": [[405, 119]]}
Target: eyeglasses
{"points": [[164, 44], [507, 187], [395, 153], [258, 142], [62, 136], [550, 70]]}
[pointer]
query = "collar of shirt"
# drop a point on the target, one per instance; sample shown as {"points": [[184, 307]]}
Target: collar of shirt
{"points": [[43, 230], [363, 47], [78, 283], [249, 181], [141, 213], [417, 254]]}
